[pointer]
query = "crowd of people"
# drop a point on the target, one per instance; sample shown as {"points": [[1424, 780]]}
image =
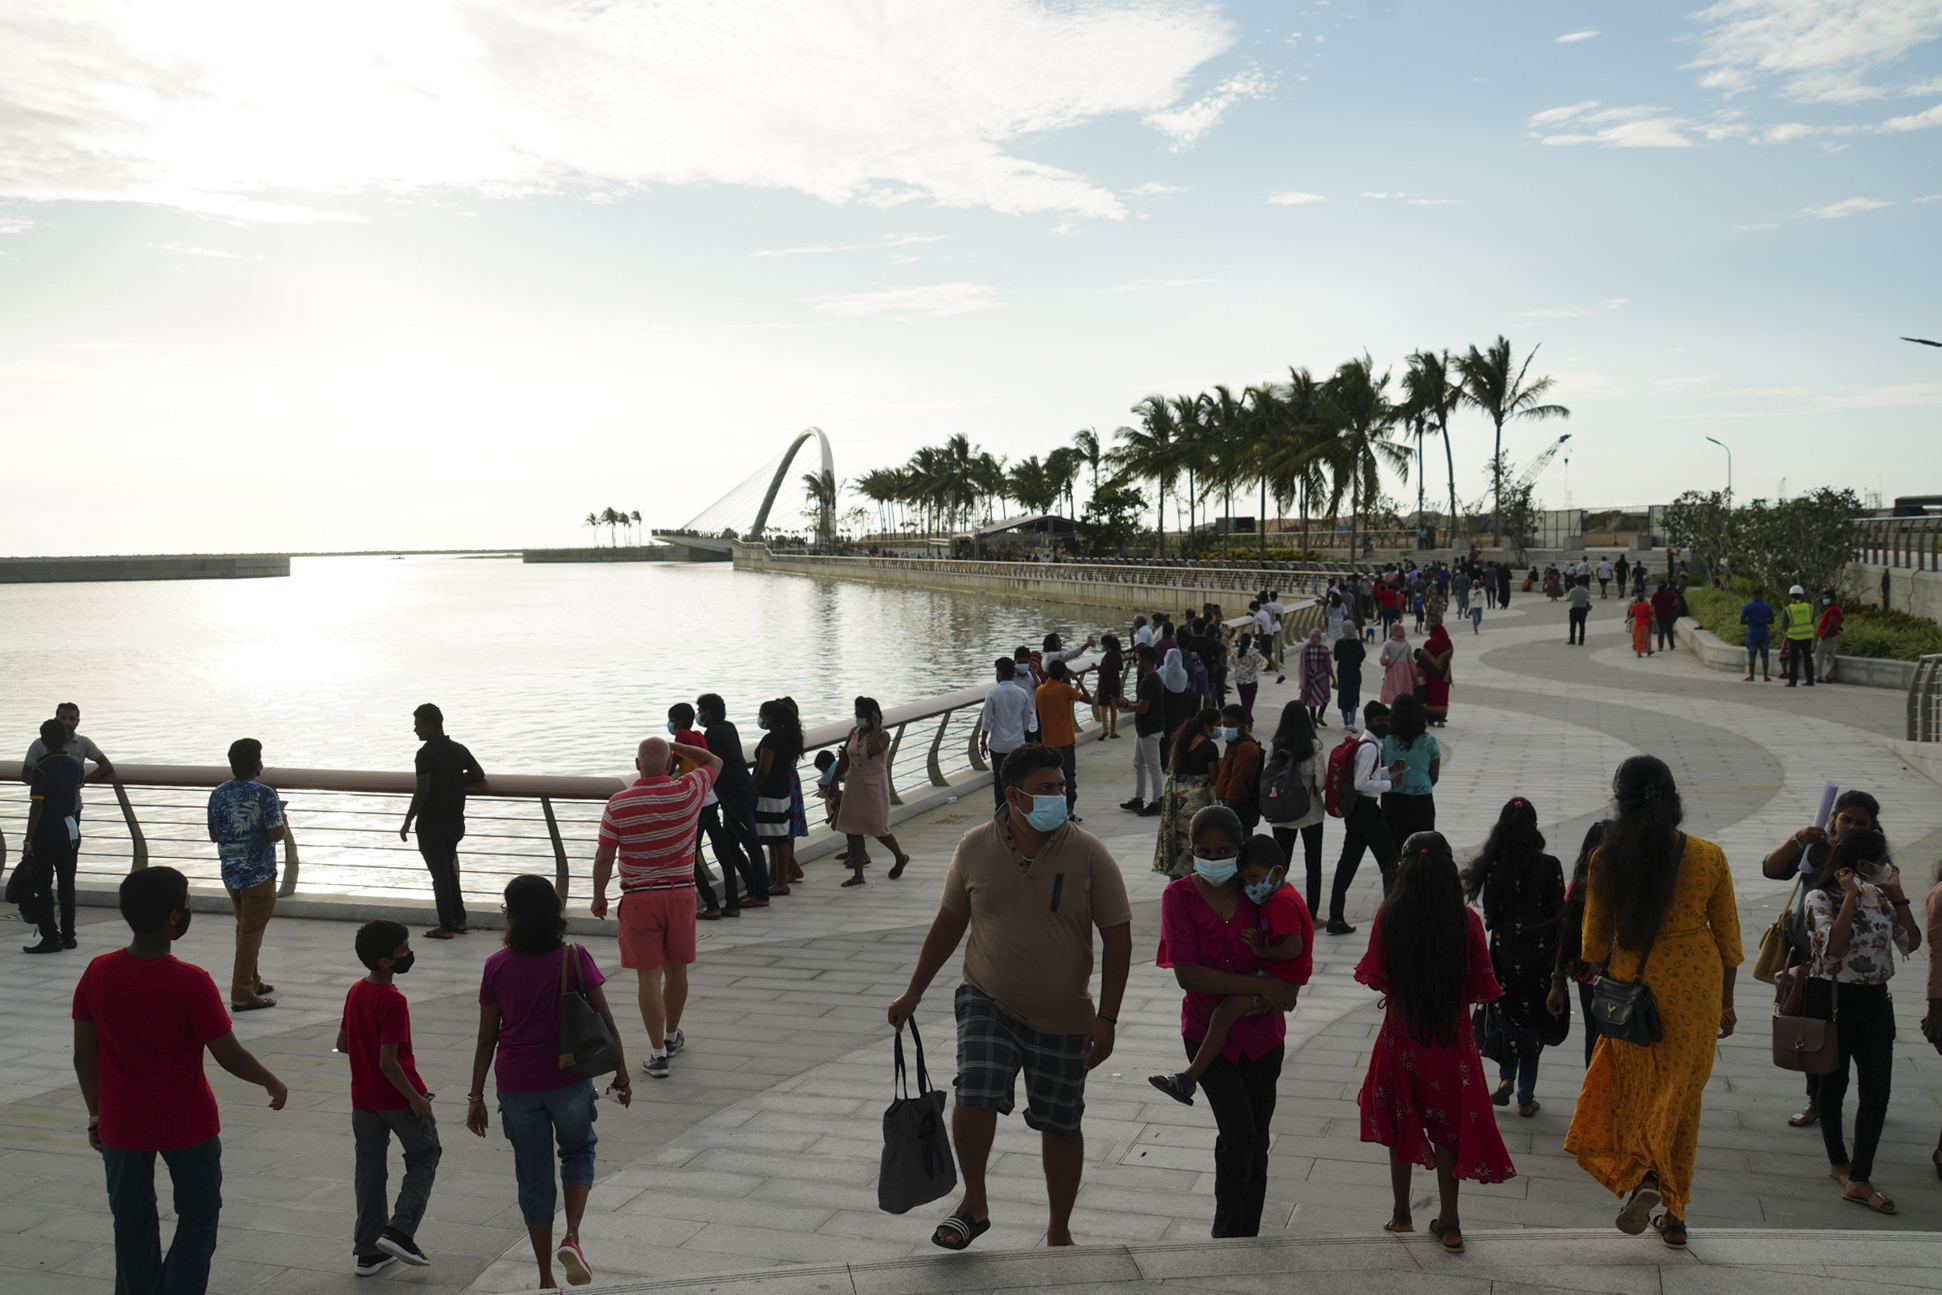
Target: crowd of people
{"points": [[1475, 960]]}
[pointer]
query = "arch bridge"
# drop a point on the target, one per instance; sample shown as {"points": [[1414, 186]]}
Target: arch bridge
{"points": [[703, 535]]}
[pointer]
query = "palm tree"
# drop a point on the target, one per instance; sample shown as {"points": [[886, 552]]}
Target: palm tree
{"points": [[1190, 443], [1149, 452], [1490, 384], [1431, 391], [1085, 443], [593, 520], [636, 515], [609, 518], [1297, 455], [1031, 487], [1061, 470], [1357, 407], [820, 488], [882, 487]]}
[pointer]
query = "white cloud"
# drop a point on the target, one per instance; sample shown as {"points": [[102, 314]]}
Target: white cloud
{"points": [[189, 249], [1915, 121], [931, 299], [1433, 202], [1293, 199], [901, 240], [1550, 116], [14, 225], [1823, 51], [1933, 197], [1573, 37], [1155, 189], [1147, 284], [257, 111], [1846, 207], [1187, 123], [1634, 127]]}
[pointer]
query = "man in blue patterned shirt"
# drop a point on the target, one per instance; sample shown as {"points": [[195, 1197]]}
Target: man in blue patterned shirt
{"points": [[246, 822]]}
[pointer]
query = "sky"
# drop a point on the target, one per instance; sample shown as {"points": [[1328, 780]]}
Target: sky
{"points": [[453, 273]]}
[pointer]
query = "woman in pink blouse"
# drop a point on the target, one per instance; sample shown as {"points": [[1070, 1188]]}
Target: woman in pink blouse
{"points": [[1204, 920]]}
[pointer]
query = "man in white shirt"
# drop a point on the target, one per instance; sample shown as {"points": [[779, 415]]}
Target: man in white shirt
{"points": [[1276, 625], [1010, 715], [1604, 575], [1142, 632], [1363, 823], [1055, 651], [79, 747]]}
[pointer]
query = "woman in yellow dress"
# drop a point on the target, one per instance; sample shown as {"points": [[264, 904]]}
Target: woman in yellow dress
{"points": [[1636, 1128]]}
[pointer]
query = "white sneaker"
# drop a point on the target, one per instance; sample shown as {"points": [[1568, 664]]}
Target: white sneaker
{"points": [[372, 1266], [676, 1042], [657, 1066]]}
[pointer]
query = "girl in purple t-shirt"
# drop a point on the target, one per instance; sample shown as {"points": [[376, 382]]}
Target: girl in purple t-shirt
{"points": [[539, 1103]]}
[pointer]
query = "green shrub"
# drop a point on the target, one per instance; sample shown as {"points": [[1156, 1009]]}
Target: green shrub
{"points": [[1717, 611], [1867, 631]]}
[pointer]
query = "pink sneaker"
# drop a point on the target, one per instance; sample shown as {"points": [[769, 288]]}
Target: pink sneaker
{"points": [[575, 1263]]}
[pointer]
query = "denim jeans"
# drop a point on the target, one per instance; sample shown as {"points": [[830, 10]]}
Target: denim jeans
{"points": [[1524, 1071], [196, 1174], [533, 1123], [1760, 649], [419, 1141]]}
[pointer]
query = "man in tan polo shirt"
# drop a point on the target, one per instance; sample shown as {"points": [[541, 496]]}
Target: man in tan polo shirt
{"points": [[1030, 887]]}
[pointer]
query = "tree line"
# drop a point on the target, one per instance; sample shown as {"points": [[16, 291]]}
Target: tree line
{"points": [[1312, 442], [613, 519]]}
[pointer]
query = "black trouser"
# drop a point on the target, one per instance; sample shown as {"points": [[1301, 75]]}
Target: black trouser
{"points": [[1241, 1094], [736, 851], [439, 843], [1585, 1019], [54, 857], [1666, 637], [1865, 1031], [738, 820], [1311, 844], [1406, 815], [1800, 657], [708, 824], [1575, 628], [1069, 761], [196, 1175], [1364, 828], [997, 761]]}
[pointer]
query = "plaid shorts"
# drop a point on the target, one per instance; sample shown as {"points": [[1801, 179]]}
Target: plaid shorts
{"points": [[993, 1048]]}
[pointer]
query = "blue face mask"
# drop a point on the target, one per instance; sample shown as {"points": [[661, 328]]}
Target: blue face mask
{"points": [[672, 730], [1047, 812], [1260, 890], [1215, 872], [1227, 734], [863, 721], [761, 723]]}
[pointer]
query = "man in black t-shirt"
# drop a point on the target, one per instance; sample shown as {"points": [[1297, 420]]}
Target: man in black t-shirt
{"points": [[444, 770], [735, 790], [1148, 705], [53, 826]]}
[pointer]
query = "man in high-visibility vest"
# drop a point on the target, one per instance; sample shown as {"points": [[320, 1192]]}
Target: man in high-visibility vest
{"points": [[1798, 617]]}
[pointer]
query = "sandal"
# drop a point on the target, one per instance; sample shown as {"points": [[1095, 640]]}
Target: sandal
{"points": [[1637, 1211], [897, 869], [1671, 1231], [710, 915], [961, 1226], [1180, 1088], [1450, 1234], [440, 933], [1874, 1200], [1502, 1096], [265, 989], [858, 880], [257, 1001], [1528, 1111], [1398, 1225], [777, 890], [1811, 1115]]}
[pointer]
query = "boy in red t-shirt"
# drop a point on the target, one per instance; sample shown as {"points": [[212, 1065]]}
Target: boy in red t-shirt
{"points": [[387, 1097], [141, 1021], [1284, 942]]}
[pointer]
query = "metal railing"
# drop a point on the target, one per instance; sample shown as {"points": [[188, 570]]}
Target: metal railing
{"points": [[1910, 543], [1231, 576], [1925, 700]]}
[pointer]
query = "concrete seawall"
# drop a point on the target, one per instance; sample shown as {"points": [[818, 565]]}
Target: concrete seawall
{"points": [[1128, 590], [166, 566], [626, 553]]}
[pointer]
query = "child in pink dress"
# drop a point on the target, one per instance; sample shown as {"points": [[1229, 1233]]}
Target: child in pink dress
{"points": [[1426, 1096]]}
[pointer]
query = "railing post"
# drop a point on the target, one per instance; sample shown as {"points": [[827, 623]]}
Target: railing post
{"points": [[291, 862], [135, 837], [562, 876], [937, 770], [890, 764]]}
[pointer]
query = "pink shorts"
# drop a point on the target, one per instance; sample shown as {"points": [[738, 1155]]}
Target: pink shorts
{"points": [[656, 927]]}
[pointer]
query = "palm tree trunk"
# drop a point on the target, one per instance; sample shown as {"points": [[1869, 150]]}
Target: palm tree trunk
{"points": [[1497, 483], [1449, 456], [1160, 535]]}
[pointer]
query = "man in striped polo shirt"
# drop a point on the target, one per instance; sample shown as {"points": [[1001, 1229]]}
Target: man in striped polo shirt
{"points": [[650, 828]]}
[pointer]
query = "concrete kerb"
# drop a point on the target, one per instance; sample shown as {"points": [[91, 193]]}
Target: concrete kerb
{"points": [[1865, 672]]}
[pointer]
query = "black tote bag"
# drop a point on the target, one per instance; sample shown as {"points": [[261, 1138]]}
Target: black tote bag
{"points": [[586, 1048], [917, 1164]]}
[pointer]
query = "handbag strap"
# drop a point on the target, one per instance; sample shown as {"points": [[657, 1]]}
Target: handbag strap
{"points": [[566, 951], [900, 1081], [1647, 955]]}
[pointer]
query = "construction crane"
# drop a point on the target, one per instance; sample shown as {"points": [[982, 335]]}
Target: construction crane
{"points": [[1539, 463]]}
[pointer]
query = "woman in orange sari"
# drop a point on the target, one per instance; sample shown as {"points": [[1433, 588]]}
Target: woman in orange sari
{"points": [[1640, 614]]}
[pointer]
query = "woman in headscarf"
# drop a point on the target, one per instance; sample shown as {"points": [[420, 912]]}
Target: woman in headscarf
{"points": [[1398, 665], [1433, 658], [1317, 674], [1190, 789], [1177, 702]]}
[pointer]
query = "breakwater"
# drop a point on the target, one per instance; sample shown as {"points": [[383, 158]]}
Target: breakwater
{"points": [[164, 566]]}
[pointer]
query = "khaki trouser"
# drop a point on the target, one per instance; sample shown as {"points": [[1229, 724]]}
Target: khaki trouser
{"points": [[253, 906], [1824, 653]]}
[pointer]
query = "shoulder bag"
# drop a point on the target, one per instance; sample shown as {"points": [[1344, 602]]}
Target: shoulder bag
{"points": [[917, 1167], [1801, 1042], [586, 1048], [1627, 1012], [1777, 945]]}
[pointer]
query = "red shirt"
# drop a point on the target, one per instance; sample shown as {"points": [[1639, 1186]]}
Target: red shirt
{"points": [[652, 826], [1192, 934], [375, 1015], [152, 1017], [1286, 914], [1830, 626]]}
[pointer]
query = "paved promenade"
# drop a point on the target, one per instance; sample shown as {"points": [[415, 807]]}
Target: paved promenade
{"points": [[760, 1152]]}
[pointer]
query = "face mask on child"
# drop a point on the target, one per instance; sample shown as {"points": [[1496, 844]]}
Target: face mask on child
{"points": [[1258, 893]]}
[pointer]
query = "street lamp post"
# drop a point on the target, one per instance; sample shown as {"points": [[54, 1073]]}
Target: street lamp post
{"points": [[1729, 461]]}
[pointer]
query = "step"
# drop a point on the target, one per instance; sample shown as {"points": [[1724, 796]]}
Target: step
{"points": [[1559, 1259]]}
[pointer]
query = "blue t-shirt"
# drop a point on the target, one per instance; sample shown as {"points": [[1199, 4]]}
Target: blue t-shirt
{"points": [[1414, 781], [241, 813], [1757, 616]]}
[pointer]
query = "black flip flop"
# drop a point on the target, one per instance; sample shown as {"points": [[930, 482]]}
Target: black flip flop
{"points": [[962, 1226], [1450, 1234], [1671, 1231]]}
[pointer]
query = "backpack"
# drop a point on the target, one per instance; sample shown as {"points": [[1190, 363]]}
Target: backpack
{"points": [[1338, 791], [1196, 676], [1283, 795]]}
